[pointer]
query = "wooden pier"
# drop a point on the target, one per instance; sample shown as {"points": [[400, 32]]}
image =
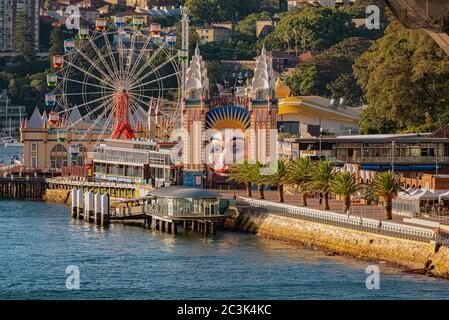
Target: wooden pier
{"points": [[115, 190], [22, 188]]}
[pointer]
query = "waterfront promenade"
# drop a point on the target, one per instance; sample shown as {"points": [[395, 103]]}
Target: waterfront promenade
{"points": [[368, 211], [372, 211]]}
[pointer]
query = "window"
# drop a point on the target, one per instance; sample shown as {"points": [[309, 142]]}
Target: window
{"points": [[289, 127], [34, 147], [34, 162], [260, 95], [313, 130], [59, 148], [58, 156]]}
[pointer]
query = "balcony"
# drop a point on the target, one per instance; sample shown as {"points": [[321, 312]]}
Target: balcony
{"points": [[396, 160], [131, 157]]}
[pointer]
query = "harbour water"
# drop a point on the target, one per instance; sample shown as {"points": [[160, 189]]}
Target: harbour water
{"points": [[39, 241], [6, 153]]}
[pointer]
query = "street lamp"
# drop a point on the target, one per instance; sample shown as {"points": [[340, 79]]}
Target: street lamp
{"points": [[436, 160], [393, 144], [320, 136]]}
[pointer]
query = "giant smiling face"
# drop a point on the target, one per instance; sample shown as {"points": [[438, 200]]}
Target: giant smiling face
{"points": [[225, 137], [225, 148]]}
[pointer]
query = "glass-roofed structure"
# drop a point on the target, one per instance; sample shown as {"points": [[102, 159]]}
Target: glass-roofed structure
{"points": [[182, 202]]}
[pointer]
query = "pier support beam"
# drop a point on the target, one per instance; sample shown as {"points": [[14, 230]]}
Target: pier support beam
{"points": [[97, 208], [104, 210], [80, 202]]}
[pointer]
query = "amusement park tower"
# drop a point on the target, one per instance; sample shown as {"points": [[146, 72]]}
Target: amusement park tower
{"points": [[237, 128]]}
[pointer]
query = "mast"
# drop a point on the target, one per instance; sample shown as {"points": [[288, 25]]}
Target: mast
{"points": [[6, 116], [185, 47]]}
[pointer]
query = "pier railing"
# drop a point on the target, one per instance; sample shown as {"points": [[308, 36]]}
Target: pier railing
{"points": [[341, 220], [75, 183]]}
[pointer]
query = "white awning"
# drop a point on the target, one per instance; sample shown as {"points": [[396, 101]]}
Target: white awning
{"points": [[444, 196], [426, 195]]}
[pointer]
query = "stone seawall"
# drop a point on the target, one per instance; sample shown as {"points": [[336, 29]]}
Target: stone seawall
{"points": [[412, 255], [58, 196]]}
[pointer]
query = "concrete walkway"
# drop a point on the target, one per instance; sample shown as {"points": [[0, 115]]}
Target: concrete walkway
{"points": [[366, 211]]}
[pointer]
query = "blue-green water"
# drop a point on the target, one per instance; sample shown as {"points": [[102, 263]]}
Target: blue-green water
{"points": [[39, 240], [7, 153]]}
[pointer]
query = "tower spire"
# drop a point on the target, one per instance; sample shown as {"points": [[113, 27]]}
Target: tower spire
{"points": [[197, 49]]}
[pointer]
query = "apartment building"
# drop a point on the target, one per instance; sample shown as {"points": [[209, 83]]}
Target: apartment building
{"points": [[8, 13]]}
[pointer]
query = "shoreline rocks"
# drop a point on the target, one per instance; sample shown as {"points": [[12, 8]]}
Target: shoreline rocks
{"points": [[428, 258]]}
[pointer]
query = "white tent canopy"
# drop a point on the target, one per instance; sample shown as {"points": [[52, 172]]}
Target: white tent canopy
{"points": [[444, 196], [426, 194]]}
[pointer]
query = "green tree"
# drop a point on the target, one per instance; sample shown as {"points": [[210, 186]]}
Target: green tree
{"points": [[44, 34], [346, 86], [247, 26], [56, 42], [322, 178], [5, 77], [241, 173], [344, 185], [23, 40], [13, 88], [279, 177], [38, 86], [405, 78], [217, 74], [206, 11], [386, 187], [329, 73], [300, 174], [259, 179], [313, 28]]}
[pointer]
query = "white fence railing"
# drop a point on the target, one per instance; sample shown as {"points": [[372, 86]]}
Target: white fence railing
{"points": [[91, 184], [338, 219]]}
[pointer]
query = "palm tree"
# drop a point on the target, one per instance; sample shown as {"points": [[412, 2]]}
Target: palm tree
{"points": [[241, 173], [300, 174], [259, 179], [344, 185], [279, 177], [322, 177], [386, 186]]}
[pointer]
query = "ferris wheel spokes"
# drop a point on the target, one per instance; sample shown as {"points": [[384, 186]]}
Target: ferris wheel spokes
{"points": [[106, 125], [150, 97], [130, 54], [94, 124], [143, 51], [81, 82], [87, 116], [111, 53], [100, 55], [155, 80], [85, 104], [93, 64], [147, 63], [166, 62], [107, 83]]}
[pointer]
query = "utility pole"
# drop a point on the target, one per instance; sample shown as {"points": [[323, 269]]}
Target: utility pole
{"points": [[436, 160], [185, 48]]}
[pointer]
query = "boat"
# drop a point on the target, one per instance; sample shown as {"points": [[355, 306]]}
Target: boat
{"points": [[12, 142], [16, 159]]}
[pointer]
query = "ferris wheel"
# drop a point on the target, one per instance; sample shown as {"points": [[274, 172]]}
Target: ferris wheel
{"points": [[121, 80]]}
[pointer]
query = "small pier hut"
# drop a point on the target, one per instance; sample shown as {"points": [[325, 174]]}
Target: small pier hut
{"points": [[181, 201], [193, 209]]}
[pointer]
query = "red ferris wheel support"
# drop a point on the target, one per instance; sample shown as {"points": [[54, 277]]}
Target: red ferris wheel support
{"points": [[121, 117]]}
